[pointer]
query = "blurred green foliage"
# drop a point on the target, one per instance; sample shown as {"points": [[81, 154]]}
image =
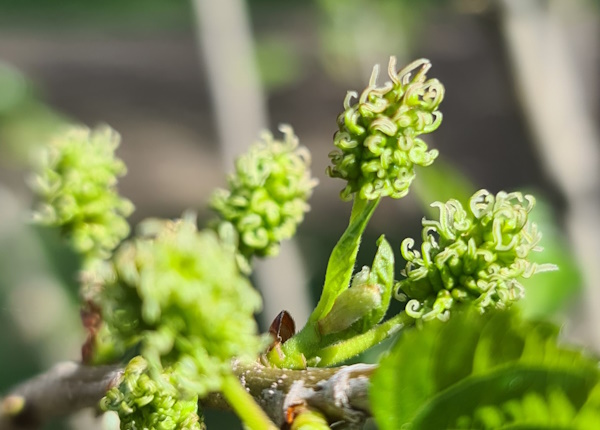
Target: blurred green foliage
{"points": [[131, 14], [485, 372], [24, 121], [38, 289], [75, 181], [441, 184], [386, 27], [279, 66]]}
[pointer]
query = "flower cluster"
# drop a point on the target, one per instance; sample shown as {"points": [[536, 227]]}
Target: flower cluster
{"points": [[378, 143], [267, 194], [179, 294], [141, 403], [473, 255], [76, 181]]}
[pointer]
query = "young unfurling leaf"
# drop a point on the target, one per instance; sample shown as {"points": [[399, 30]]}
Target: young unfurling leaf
{"points": [[365, 303]]}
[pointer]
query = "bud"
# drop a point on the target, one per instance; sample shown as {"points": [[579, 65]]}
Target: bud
{"points": [[350, 306], [365, 303]]}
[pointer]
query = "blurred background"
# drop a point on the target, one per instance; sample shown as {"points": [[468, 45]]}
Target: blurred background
{"points": [[190, 84]]}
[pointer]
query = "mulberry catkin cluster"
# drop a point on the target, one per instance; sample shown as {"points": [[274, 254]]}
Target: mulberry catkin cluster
{"points": [[267, 195], [178, 294], [142, 403], [378, 143], [472, 255], [76, 180]]}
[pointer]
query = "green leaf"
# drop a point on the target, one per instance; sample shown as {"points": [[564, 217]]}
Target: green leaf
{"points": [[343, 257], [484, 371], [382, 275], [308, 341], [365, 303], [498, 393]]}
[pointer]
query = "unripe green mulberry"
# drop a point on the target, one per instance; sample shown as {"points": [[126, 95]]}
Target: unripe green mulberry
{"points": [[76, 181], [377, 141], [267, 194], [179, 294], [473, 255], [141, 403]]}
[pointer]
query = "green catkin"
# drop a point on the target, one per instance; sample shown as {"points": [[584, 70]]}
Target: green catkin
{"points": [[472, 255], [267, 194], [178, 293], [76, 181], [141, 403], [377, 141]]}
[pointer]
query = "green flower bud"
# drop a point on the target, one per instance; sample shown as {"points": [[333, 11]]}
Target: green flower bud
{"points": [[267, 194], [474, 255], [142, 404], [377, 141], [76, 182], [179, 293], [352, 304]]}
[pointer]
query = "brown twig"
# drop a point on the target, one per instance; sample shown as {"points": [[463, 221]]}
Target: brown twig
{"points": [[62, 390], [339, 393]]}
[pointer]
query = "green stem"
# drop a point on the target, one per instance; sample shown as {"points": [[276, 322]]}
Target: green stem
{"points": [[342, 351], [253, 417]]}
